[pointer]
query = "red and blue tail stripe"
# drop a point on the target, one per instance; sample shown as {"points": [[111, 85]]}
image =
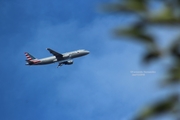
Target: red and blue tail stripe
{"points": [[31, 59]]}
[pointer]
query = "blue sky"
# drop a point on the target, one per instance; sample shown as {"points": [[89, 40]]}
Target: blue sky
{"points": [[96, 87]]}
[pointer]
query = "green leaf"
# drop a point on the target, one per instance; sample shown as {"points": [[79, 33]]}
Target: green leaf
{"points": [[175, 49], [159, 108], [152, 55], [126, 6], [137, 33], [166, 16], [173, 75]]}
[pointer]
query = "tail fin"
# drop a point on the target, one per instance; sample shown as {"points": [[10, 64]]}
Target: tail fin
{"points": [[29, 56]]}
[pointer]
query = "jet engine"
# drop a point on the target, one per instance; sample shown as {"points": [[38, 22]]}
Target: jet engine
{"points": [[69, 62]]}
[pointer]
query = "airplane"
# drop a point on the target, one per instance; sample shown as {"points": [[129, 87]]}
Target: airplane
{"points": [[63, 59]]}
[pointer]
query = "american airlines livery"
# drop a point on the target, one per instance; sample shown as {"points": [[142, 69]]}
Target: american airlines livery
{"points": [[65, 58]]}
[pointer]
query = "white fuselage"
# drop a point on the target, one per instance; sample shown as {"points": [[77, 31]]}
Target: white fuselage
{"points": [[65, 58]]}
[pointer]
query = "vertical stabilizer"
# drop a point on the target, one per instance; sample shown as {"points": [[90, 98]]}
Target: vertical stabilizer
{"points": [[29, 56]]}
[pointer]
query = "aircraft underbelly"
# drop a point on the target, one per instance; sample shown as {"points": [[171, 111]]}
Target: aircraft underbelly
{"points": [[48, 60]]}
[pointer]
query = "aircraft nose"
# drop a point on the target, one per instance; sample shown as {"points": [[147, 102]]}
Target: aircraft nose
{"points": [[87, 52]]}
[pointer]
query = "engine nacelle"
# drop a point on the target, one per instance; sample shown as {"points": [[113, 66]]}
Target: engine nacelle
{"points": [[69, 62]]}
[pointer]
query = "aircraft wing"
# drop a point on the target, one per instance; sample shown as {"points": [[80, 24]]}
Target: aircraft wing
{"points": [[58, 55]]}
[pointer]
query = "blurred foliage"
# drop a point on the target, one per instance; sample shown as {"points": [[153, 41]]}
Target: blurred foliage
{"points": [[168, 14], [167, 105]]}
